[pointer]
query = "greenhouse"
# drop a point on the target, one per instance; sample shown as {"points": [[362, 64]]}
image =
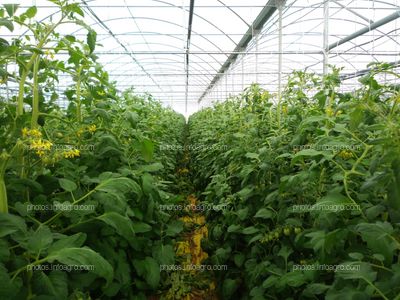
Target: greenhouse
{"points": [[199, 149]]}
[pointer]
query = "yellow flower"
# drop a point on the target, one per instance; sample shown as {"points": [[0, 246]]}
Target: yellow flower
{"points": [[346, 154], [49, 54], [329, 111], [76, 152], [25, 132], [183, 171], [92, 128], [34, 133], [183, 248], [40, 153], [80, 132], [71, 153], [41, 145]]}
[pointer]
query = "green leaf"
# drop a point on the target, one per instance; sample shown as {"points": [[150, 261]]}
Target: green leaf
{"points": [[242, 213], [8, 288], [119, 185], [229, 287], [316, 288], [250, 230], [73, 241], [31, 12], [356, 255], [174, 228], [355, 270], [74, 8], [150, 270], [83, 257], [54, 284], [122, 224], [314, 119], [40, 240], [147, 149], [11, 8], [22, 183], [264, 213], [141, 227], [164, 254], [294, 279], [333, 202], [252, 156], [7, 23], [70, 38], [356, 117], [239, 259], [67, 185], [255, 238], [147, 183], [10, 224], [234, 228], [308, 152], [245, 193], [155, 167], [91, 40], [285, 252], [394, 191], [270, 281], [4, 251], [378, 238]]}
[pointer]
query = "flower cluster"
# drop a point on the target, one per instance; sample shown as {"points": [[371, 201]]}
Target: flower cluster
{"points": [[35, 141], [90, 128], [346, 154], [41, 146], [26, 133], [71, 153]]}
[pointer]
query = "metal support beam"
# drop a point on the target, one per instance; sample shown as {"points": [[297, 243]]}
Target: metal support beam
{"points": [[365, 71], [280, 44], [257, 38], [189, 34], [258, 24], [326, 38], [364, 30]]}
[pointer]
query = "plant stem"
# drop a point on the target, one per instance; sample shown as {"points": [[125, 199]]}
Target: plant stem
{"points": [[3, 189], [35, 100], [78, 95], [20, 103], [3, 196]]}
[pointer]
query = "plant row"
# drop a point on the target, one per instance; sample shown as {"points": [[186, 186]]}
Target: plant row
{"points": [[80, 186], [310, 186]]}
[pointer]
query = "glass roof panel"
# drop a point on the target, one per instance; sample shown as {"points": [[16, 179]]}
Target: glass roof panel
{"points": [[143, 42]]}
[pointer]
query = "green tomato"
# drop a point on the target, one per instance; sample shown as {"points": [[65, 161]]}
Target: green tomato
{"points": [[276, 234], [297, 230], [286, 231]]}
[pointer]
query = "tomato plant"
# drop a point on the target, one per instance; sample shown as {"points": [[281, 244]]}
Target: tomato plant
{"points": [[80, 186], [311, 182]]}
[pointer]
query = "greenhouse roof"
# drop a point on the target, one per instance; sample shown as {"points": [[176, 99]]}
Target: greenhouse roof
{"points": [[188, 53]]}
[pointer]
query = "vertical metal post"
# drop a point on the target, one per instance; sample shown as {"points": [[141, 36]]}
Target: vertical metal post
{"points": [[184, 31], [242, 62], [226, 85], [256, 38], [280, 10], [326, 38], [233, 79]]}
